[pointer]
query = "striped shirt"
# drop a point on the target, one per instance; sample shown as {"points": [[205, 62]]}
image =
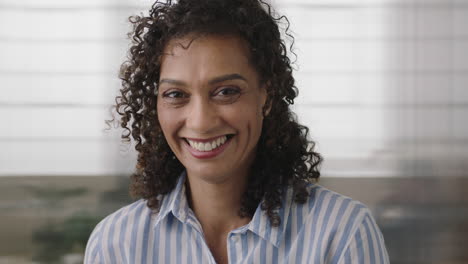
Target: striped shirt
{"points": [[328, 228]]}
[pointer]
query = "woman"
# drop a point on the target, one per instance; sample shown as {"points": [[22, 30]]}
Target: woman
{"points": [[224, 171]]}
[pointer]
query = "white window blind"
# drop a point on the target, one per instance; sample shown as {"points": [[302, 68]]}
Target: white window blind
{"points": [[382, 84]]}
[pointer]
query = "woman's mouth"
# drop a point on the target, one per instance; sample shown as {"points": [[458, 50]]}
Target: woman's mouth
{"points": [[207, 148]]}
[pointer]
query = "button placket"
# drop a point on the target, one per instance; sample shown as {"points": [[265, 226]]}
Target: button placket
{"points": [[235, 238]]}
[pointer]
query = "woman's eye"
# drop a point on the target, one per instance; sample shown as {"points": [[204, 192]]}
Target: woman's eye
{"points": [[174, 94], [227, 95], [228, 91], [175, 97]]}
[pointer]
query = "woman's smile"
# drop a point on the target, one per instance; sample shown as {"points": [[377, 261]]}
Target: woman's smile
{"points": [[207, 148]]}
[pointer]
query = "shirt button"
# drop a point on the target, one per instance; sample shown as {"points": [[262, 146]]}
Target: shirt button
{"points": [[235, 239]]}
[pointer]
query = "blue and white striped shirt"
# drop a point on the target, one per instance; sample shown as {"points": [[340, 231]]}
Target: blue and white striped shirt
{"points": [[328, 228]]}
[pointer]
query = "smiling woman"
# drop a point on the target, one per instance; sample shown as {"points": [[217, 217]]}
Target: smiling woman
{"points": [[225, 173]]}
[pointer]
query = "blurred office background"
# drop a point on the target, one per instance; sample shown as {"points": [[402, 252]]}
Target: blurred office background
{"points": [[383, 88]]}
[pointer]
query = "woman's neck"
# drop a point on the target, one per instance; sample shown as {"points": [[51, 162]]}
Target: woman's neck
{"points": [[217, 205]]}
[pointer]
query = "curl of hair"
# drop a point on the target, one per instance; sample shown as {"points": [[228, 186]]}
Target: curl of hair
{"points": [[285, 156]]}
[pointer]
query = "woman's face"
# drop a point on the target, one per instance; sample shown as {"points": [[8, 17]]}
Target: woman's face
{"points": [[210, 106]]}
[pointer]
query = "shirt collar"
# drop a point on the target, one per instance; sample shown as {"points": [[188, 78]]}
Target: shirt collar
{"points": [[260, 223], [175, 202]]}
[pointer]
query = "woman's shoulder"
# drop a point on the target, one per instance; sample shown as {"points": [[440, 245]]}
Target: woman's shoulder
{"points": [[329, 211], [323, 199], [342, 223], [131, 212], [112, 225]]}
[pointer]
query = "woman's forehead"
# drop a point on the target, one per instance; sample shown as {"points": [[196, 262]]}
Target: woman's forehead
{"points": [[206, 55], [216, 44]]}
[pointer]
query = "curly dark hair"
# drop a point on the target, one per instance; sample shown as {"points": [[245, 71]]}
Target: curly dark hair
{"points": [[285, 156]]}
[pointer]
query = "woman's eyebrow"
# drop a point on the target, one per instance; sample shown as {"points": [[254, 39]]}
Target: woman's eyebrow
{"points": [[173, 82], [227, 77]]}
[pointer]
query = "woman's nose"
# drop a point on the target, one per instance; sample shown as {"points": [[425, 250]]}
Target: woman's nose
{"points": [[202, 117]]}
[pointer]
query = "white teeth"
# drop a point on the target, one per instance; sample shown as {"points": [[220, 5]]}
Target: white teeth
{"points": [[192, 144], [222, 140], [207, 146]]}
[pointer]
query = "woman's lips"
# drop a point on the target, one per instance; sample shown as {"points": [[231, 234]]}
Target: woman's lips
{"points": [[207, 154]]}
